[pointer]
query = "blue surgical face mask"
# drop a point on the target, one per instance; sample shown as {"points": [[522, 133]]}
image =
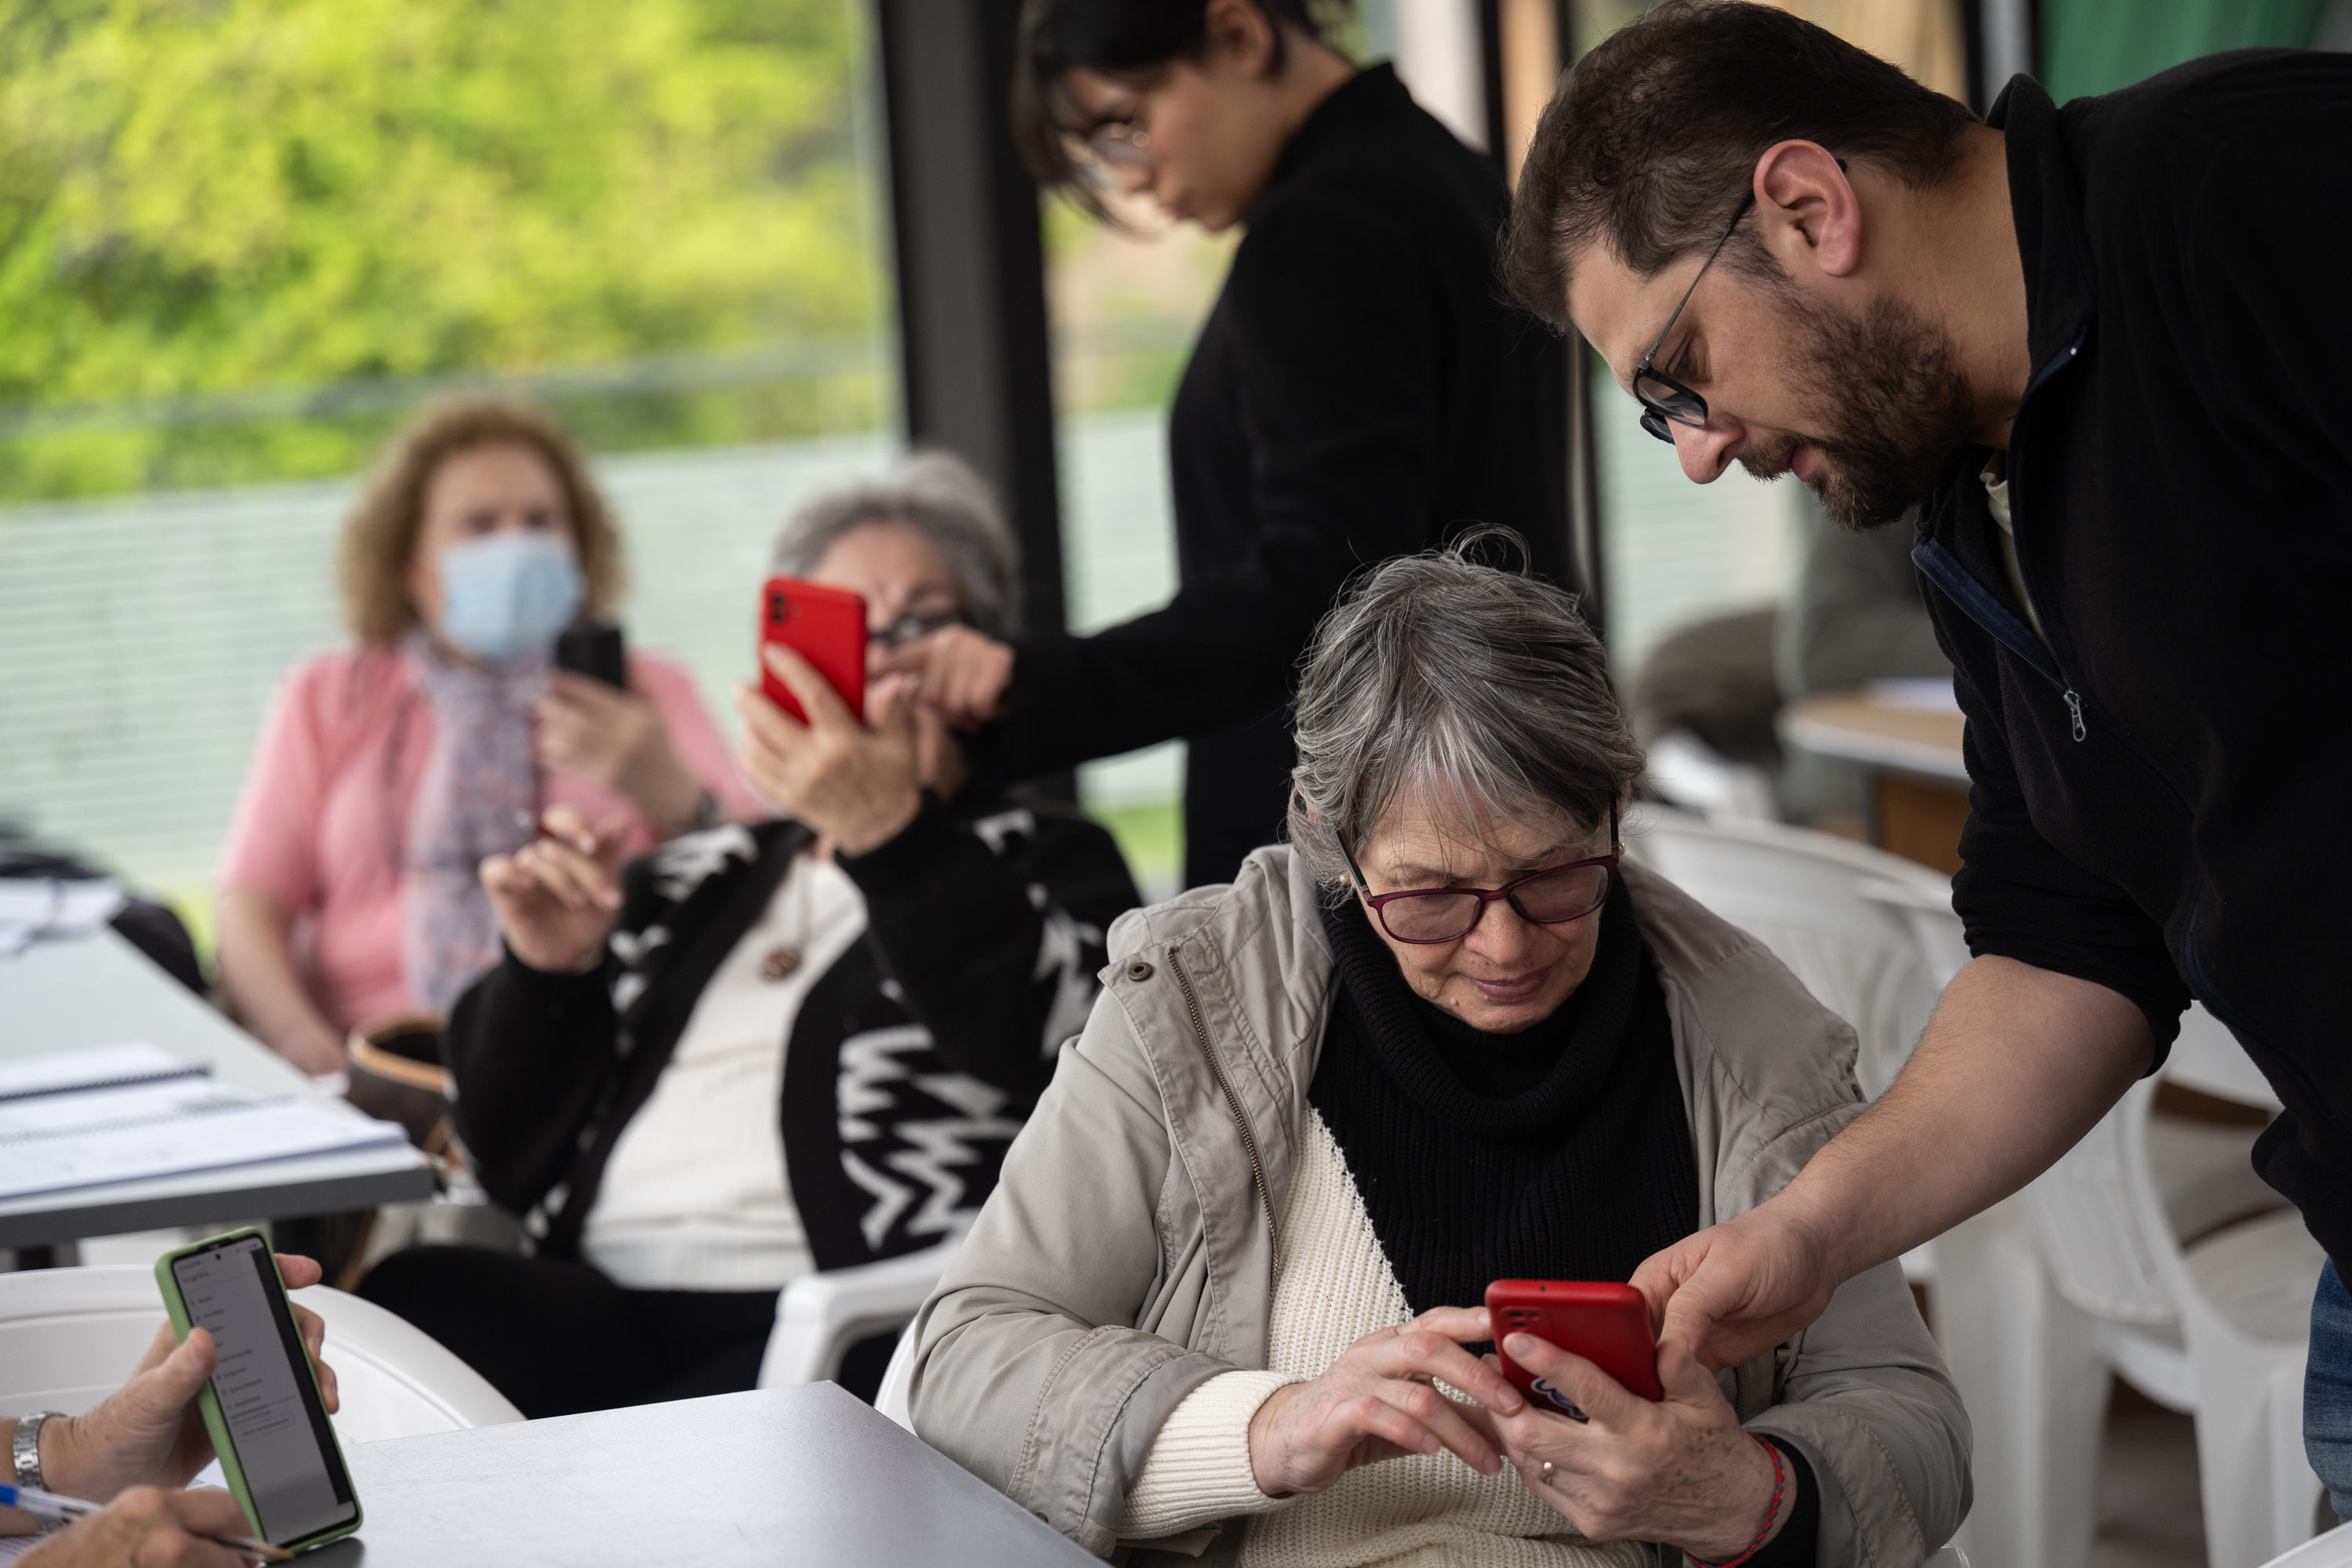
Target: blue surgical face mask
{"points": [[506, 595]]}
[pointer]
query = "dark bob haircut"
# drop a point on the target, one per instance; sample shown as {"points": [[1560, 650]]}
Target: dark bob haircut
{"points": [[1131, 38], [1652, 139]]}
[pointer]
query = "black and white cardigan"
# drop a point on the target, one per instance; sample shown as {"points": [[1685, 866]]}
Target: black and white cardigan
{"points": [[910, 1066]]}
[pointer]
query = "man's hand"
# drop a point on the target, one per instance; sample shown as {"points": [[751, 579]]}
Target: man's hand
{"points": [[856, 786], [2016, 1065], [149, 1432], [1378, 1402], [1734, 1290], [149, 1528], [556, 898], [1680, 1470], [956, 671], [618, 739]]}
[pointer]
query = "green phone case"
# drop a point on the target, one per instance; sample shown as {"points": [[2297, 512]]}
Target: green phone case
{"points": [[216, 1420]]}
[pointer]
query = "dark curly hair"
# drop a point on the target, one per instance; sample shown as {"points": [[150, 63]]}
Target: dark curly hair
{"points": [[1652, 139]]}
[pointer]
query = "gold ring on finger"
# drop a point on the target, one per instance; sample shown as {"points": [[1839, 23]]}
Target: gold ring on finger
{"points": [[1544, 1475]]}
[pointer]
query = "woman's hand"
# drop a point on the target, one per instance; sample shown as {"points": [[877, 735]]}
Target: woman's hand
{"points": [[148, 1527], [857, 786], [1377, 1402], [149, 1432], [1682, 1471], [961, 673], [556, 898], [617, 738]]}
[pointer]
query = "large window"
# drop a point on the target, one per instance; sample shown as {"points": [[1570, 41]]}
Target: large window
{"points": [[240, 243], [1126, 303]]}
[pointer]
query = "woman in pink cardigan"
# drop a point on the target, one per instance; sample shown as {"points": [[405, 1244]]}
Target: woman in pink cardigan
{"points": [[387, 771]]}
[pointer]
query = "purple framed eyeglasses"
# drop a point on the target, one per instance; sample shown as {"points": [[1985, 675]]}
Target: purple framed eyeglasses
{"points": [[1553, 896]]}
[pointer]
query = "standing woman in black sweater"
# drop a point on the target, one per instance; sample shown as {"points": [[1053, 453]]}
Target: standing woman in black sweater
{"points": [[1359, 392]]}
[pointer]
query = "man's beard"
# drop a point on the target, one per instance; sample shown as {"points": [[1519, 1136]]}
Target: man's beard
{"points": [[1903, 407]]}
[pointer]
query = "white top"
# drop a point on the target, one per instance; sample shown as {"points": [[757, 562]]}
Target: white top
{"points": [[695, 1195], [1419, 1511], [1997, 502]]}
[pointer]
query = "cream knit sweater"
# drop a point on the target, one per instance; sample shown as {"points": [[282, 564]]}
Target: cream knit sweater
{"points": [[1421, 1512]]}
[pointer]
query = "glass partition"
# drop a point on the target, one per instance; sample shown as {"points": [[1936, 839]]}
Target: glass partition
{"points": [[1126, 303]]}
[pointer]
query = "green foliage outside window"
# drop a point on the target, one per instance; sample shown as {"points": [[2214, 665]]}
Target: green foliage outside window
{"points": [[240, 238]]}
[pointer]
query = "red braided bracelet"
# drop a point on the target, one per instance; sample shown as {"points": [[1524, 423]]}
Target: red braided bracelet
{"points": [[1770, 1514]]}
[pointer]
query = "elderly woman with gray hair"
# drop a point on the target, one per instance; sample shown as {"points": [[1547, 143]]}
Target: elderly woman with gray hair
{"points": [[1224, 1303], [764, 1051]]}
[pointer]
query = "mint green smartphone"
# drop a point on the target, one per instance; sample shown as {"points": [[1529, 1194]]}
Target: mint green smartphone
{"points": [[262, 1404]]}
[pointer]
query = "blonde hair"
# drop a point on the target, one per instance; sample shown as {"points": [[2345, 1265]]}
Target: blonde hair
{"points": [[379, 537]]}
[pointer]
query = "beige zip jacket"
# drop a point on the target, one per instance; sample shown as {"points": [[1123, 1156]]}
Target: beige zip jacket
{"points": [[1127, 1255]]}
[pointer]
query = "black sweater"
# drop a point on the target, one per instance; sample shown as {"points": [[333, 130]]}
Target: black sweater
{"points": [[2156, 797], [1359, 391], [911, 1062]]}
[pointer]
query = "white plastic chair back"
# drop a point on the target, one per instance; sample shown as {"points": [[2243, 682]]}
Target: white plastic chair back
{"points": [[2333, 1549], [895, 1397], [2243, 1294], [395, 1380], [2100, 1257], [820, 1316], [69, 1337], [1871, 935]]}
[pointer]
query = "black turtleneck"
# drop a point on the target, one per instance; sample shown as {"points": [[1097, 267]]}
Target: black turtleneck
{"points": [[1559, 1152]]}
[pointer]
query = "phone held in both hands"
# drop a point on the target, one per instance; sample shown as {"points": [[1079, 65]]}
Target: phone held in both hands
{"points": [[825, 627], [262, 1405], [1608, 1324]]}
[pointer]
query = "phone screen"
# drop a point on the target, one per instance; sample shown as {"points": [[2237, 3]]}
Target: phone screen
{"points": [[293, 1471]]}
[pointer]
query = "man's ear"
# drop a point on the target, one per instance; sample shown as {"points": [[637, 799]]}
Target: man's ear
{"points": [[1808, 215]]}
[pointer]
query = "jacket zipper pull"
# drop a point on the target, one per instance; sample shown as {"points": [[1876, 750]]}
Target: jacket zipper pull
{"points": [[2074, 707]]}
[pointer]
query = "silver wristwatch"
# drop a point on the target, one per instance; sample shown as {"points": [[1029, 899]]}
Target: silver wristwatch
{"points": [[28, 1449]]}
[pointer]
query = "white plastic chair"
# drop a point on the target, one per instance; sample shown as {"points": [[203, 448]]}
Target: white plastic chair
{"points": [[2333, 1549], [1691, 774], [895, 1396], [2244, 1296], [820, 1316], [2086, 1273], [1871, 935], [69, 1337]]}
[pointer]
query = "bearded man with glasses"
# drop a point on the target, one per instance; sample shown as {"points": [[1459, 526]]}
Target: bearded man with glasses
{"points": [[2102, 349], [1445, 1036]]}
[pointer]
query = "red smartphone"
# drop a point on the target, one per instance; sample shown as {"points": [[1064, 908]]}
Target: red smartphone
{"points": [[825, 627], [1607, 1324]]}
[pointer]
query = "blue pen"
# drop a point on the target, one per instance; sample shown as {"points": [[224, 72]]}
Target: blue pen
{"points": [[52, 1509], [47, 1507]]}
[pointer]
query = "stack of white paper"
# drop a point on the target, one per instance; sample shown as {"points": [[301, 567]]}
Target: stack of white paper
{"points": [[119, 1113], [35, 907]]}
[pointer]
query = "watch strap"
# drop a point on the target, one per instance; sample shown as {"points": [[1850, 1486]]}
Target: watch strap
{"points": [[27, 1449]]}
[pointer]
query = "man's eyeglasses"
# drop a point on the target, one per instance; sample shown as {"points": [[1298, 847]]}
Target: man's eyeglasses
{"points": [[1426, 917], [1665, 400]]}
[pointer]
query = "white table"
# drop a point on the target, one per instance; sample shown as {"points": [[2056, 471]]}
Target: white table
{"points": [[101, 991], [779, 1476]]}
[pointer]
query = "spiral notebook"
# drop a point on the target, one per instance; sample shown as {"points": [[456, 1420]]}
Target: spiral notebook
{"points": [[128, 1114]]}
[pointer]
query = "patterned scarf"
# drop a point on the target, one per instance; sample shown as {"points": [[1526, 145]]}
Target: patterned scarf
{"points": [[478, 797]]}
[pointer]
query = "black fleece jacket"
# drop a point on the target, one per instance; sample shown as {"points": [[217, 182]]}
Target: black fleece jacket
{"points": [[912, 1063], [1358, 392], [2156, 797]]}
